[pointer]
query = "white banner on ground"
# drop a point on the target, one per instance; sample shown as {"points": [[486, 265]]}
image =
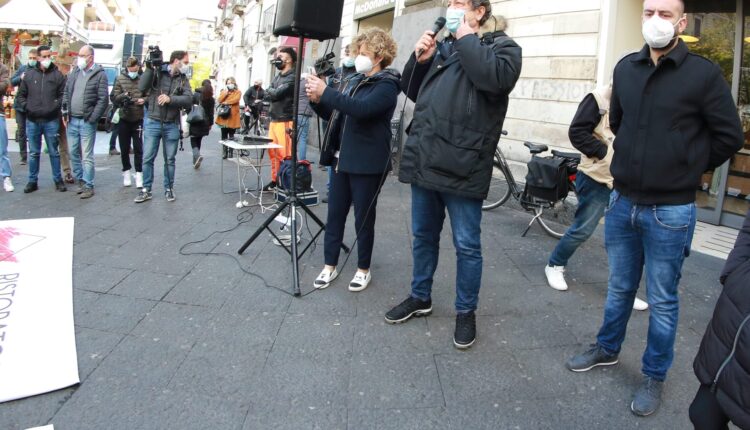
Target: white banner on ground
{"points": [[37, 336]]}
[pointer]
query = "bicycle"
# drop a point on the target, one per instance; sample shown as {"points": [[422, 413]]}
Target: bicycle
{"points": [[503, 185]]}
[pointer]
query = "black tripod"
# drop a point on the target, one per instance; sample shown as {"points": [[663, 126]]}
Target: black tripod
{"points": [[292, 201]]}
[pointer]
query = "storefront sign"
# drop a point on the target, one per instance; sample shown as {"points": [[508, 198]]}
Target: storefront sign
{"points": [[365, 8]]}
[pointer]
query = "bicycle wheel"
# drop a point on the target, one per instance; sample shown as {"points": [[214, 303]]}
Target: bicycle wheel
{"points": [[556, 220], [499, 189]]}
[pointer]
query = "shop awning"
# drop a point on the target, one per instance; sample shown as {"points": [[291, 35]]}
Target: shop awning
{"points": [[35, 15]]}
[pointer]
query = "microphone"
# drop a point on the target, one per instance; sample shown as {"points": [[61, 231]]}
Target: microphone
{"points": [[436, 27]]}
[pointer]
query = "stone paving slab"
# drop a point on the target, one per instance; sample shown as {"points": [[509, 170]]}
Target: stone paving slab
{"points": [[198, 341]]}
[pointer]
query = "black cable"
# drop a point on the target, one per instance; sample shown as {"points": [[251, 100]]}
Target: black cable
{"points": [[242, 218]]}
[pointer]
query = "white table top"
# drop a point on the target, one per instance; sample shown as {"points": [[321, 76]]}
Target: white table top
{"points": [[240, 146]]}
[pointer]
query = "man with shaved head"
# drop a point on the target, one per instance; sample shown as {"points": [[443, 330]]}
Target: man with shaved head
{"points": [[674, 118], [86, 99]]}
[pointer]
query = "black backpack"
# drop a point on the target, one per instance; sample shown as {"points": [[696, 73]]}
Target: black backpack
{"points": [[304, 175]]}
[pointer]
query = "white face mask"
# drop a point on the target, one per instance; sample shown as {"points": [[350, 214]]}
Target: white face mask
{"points": [[363, 64], [230, 87], [46, 63], [81, 63], [184, 68], [658, 32]]}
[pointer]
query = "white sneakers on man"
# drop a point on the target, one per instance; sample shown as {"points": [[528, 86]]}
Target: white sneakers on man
{"points": [[8, 185], [126, 179], [556, 279], [139, 180], [360, 281]]}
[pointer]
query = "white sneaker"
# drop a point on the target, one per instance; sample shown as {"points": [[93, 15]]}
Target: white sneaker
{"points": [[139, 180], [325, 278], [556, 278], [8, 184], [360, 281], [640, 305], [126, 180]]}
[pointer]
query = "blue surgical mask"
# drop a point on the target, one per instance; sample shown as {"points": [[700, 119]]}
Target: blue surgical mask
{"points": [[453, 19], [32, 63], [133, 75], [348, 62]]}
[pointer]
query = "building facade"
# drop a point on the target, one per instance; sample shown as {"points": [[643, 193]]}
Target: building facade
{"points": [[569, 48]]}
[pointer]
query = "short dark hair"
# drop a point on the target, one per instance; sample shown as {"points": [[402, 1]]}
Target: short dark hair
{"points": [[177, 55], [292, 53], [41, 48]]}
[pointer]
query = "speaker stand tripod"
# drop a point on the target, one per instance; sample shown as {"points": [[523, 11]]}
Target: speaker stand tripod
{"points": [[292, 201]]}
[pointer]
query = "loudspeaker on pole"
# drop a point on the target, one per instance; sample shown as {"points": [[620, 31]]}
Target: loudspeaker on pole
{"points": [[310, 19]]}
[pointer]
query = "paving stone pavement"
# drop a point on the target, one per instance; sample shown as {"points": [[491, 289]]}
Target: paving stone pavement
{"points": [[171, 341]]}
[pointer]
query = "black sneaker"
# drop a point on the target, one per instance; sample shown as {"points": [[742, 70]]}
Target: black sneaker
{"points": [[143, 195], [81, 187], [60, 186], [169, 194], [197, 162], [30, 187], [647, 398], [466, 330], [23, 162], [595, 356], [270, 186], [410, 307], [325, 199]]}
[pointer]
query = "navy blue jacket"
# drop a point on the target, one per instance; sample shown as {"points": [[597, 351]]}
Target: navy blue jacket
{"points": [[360, 123]]}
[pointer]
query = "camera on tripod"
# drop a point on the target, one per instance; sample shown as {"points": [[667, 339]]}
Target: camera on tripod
{"points": [[324, 65], [155, 57]]}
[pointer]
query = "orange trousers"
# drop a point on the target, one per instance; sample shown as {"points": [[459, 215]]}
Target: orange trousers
{"points": [[277, 133]]}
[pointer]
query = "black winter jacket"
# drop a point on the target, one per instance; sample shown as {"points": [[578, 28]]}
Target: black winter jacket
{"points": [[253, 94], [126, 87], [202, 129], [459, 113], [359, 124], [176, 87], [281, 96], [672, 121], [41, 93], [717, 364], [95, 97]]}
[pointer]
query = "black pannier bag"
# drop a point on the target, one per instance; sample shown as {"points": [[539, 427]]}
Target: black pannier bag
{"points": [[547, 178]]}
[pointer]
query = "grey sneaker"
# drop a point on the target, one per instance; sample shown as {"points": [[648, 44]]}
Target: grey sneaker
{"points": [[647, 398], [87, 193], [590, 359], [81, 187], [169, 194], [143, 196]]}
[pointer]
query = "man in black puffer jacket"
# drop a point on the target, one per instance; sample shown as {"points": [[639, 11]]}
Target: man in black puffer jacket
{"points": [[40, 96], [85, 101], [463, 85], [723, 361]]}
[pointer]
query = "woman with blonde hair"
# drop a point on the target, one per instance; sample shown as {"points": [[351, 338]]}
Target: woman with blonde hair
{"points": [[357, 146]]}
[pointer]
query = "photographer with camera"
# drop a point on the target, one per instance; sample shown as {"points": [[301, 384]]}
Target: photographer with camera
{"points": [[253, 99], [281, 96], [127, 97], [86, 101], [167, 91]]}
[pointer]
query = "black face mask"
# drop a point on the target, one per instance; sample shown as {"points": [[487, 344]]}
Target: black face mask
{"points": [[279, 63]]}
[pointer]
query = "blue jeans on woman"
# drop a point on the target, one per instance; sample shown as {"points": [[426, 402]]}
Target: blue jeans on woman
{"points": [[592, 200], [34, 131], [657, 237], [427, 216], [5, 169]]}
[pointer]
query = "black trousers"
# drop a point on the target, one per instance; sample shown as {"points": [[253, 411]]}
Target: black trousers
{"points": [[706, 412], [227, 133], [21, 134], [130, 132], [195, 142], [361, 191]]}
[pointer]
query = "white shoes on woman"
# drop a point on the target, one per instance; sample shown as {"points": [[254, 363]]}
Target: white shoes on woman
{"points": [[360, 281]]}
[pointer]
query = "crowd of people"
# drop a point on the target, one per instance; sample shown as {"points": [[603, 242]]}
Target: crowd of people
{"points": [[636, 172]]}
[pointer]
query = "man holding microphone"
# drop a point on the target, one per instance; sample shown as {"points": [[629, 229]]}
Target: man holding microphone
{"points": [[463, 83]]}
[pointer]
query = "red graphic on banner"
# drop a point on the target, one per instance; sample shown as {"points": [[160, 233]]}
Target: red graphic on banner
{"points": [[6, 253]]}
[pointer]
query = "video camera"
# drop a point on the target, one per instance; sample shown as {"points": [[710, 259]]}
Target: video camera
{"points": [[324, 65], [155, 57]]}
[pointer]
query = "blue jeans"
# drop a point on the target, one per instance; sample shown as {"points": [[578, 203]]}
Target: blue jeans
{"points": [[592, 200], [303, 124], [152, 135], [427, 216], [659, 237], [34, 132], [82, 136], [5, 169]]}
